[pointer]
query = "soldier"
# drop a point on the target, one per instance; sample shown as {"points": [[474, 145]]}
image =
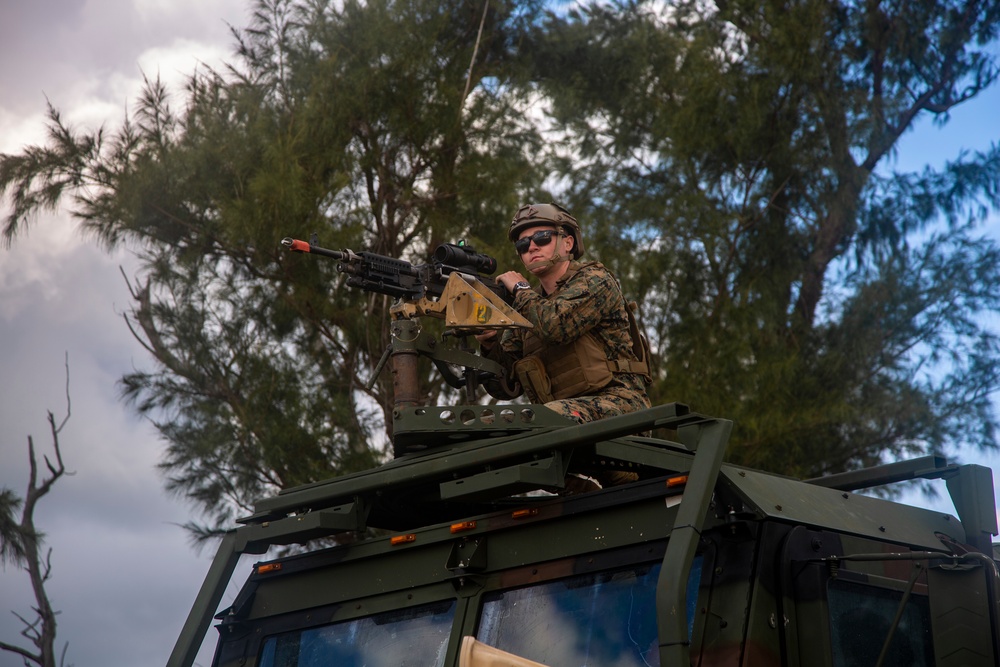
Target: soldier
{"points": [[584, 358]]}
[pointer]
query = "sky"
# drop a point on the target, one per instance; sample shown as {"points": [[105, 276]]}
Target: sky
{"points": [[124, 575]]}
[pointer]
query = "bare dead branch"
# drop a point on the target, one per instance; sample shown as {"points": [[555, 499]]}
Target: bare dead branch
{"points": [[42, 630]]}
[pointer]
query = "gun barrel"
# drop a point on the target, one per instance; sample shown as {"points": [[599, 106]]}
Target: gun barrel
{"points": [[296, 245]]}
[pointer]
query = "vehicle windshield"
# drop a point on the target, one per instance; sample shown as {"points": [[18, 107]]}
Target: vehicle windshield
{"points": [[608, 618], [417, 636]]}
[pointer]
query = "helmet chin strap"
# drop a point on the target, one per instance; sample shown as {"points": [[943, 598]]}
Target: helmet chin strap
{"points": [[555, 259]]}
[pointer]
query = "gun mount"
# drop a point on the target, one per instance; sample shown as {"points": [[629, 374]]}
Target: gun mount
{"points": [[455, 287]]}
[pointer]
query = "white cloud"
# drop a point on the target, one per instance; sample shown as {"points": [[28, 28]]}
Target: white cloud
{"points": [[17, 131], [174, 64]]}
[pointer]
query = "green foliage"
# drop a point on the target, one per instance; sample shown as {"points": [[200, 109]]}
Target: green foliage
{"points": [[722, 159]]}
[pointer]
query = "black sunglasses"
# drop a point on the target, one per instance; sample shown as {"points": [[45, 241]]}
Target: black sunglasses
{"points": [[541, 239]]}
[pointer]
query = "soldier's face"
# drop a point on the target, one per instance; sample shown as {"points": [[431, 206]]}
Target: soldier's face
{"points": [[538, 245]]}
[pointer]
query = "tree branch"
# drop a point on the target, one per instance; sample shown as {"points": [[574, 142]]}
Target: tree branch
{"points": [[42, 631]]}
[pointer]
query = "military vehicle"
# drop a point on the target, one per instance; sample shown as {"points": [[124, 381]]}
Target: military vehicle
{"points": [[466, 549]]}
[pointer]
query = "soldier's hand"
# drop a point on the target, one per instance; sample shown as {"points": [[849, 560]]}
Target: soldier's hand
{"points": [[510, 278]]}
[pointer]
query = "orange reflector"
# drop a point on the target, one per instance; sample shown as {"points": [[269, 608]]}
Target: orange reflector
{"points": [[268, 567], [680, 480], [402, 539], [461, 527], [524, 514]]}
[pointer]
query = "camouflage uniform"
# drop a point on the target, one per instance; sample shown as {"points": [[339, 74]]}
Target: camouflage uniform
{"points": [[588, 299]]}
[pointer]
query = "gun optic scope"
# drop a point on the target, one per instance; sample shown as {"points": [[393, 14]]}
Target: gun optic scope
{"points": [[463, 256]]}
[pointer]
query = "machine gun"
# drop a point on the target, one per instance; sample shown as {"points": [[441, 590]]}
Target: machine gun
{"points": [[401, 279], [455, 287]]}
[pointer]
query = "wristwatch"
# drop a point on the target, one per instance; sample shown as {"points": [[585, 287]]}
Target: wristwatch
{"points": [[518, 287]]}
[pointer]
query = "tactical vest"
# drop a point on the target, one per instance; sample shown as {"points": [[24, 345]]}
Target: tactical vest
{"points": [[579, 368]]}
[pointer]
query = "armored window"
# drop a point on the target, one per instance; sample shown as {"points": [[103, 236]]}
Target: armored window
{"points": [[594, 619], [861, 617], [415, 636]]}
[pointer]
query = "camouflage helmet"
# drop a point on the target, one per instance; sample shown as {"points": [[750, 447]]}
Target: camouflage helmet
{"points": [[536, 215]]}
